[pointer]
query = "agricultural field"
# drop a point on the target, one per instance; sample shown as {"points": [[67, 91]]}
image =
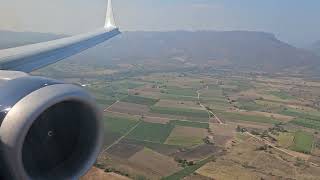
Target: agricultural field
{"points": [[129, 108], [208, 125], [253, 162], [116, 126], [189, 170], [231, 116], [186, 136], [179, 104], [151, 132], [303, 142], [226, 170], [180, 112], [119, 124], [190, 124], [286, 140], [282, 95], [156, 162], [180, 91], [175, 125], [140, 100]]}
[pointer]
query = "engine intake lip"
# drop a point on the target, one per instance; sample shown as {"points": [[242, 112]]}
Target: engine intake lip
{"points": [[21, 117]]}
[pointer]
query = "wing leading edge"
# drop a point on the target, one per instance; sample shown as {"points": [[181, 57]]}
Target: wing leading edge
{"points": [[35, 56]]}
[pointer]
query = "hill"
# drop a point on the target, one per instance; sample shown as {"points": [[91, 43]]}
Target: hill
{"points": [[252, 51], [12, 39], [240, 49], [315, 47]]}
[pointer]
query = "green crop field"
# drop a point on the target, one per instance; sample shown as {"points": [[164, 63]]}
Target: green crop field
{"points": [[190, 124], [186, 136], [213, 91], [189, 170], [179, 97], [308, 123], [184, 141], [105, 95], [302, 142], [181, 91], [282, 95], [126, 84], [241, 85], [249, 105], [105, 101], [119, 124], [241, 117], [151, 132], [140, 100], [301, 114], [180, 112], [215, 102], [215, 99]]}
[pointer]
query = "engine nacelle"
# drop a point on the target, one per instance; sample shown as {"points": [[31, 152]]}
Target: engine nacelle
{"points": [[50, 130]]}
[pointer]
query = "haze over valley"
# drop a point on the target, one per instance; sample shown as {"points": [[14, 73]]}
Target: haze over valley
{"points": [[234, 50], [196, 104]]}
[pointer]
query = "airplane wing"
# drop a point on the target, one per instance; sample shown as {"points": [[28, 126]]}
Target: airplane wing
{"points": [[48, 129], [32, 57]]}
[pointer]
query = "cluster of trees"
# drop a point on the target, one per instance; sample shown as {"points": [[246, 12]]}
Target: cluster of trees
{"points": [[108, 170], [184, 163]]}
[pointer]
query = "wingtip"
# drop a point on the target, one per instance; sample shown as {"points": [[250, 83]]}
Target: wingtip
{"points": [[110, 22]]}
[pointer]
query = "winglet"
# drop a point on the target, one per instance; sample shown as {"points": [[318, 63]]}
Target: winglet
{"points": [[110, 22]]}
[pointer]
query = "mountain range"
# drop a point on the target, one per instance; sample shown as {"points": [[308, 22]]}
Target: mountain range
{"points": [[245, 50], [315, 47]]}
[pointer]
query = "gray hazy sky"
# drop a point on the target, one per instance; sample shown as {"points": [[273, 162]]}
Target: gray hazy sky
{"points": [[293, 21]]}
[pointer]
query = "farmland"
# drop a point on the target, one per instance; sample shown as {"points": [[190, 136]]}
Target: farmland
{"points": [[190, 124], [180, 112], [286, 139], [189, 170], [176, 126], [151, 132], [156, 162], [140, 100], [303, 142], [251, 118], [220, 125], [119, 124], [186, 136]]}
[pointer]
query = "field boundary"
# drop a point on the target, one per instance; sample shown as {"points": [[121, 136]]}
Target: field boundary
{"points": [[122, 137]]}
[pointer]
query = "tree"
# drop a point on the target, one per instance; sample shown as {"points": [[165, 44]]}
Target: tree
{"points": [[238, 128]]}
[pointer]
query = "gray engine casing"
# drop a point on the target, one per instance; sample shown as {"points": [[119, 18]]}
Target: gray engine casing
{"points": [[49, 129]]}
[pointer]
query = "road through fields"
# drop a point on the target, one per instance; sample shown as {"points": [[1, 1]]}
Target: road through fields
{"points": [[209, 111]]}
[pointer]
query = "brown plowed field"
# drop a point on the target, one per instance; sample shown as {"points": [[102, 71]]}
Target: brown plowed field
{"points": [[98, 174], [155, 162], [199, 152], [179, 104], [125, 150]]}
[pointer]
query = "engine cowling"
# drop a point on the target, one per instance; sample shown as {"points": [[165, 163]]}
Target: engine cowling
{"points": [[49, 130]]}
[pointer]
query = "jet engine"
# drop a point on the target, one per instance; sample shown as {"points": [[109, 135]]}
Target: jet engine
{"points": [[49, 129]]}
